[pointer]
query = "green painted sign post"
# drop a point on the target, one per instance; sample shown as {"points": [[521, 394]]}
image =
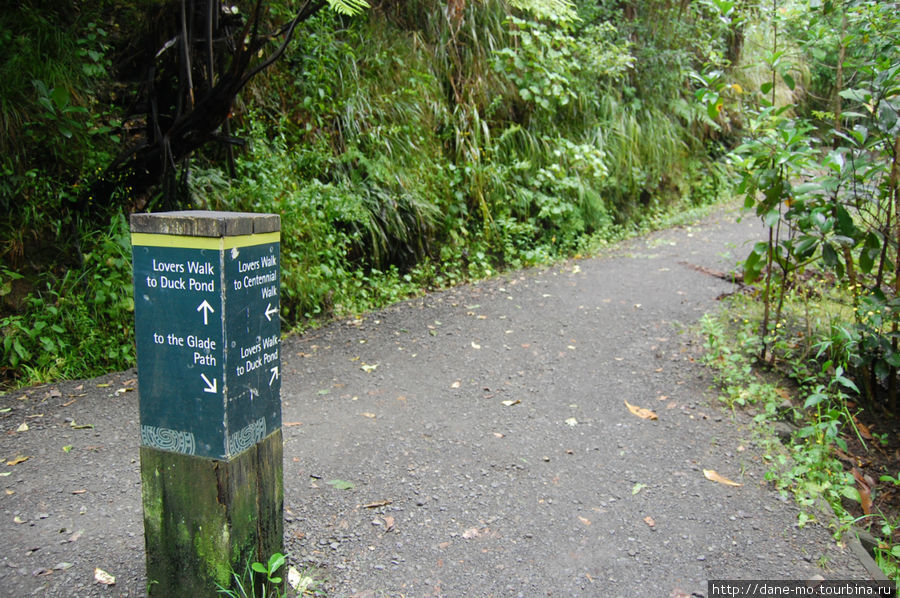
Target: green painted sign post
{"points": [[206, 288]]}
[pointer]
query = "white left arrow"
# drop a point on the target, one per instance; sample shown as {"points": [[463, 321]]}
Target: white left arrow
{"points": [[207, 309], [274, 371], [269, 311], [210, 386]]}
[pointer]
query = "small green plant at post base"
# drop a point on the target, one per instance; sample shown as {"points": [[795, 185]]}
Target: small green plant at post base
{"points": [[262, 580], [259, 580]]}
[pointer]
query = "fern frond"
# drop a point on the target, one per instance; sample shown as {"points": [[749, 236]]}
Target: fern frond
{"points": [[348, 7]]}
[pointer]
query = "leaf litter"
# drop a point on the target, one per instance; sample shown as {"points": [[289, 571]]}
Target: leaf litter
{"points": [[713, 476], [641, 412]]}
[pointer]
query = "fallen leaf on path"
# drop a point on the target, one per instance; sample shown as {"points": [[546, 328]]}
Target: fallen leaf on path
{"points": [[22, 428], [291, 424], [301, 583], [498, 435], [510, 403], [637, 488], [863, 429], [82, 491], [369, 367], [18, 520], [123, 390], [369, 415], [641, 412], [18, 459], [470, 533], [865, 491], [74, 537], [54, 393], [81, 426], [584, 520], [456, 384], [649, 521], [376, 504], [475, 345], [713, 476], [572, 421], [103, 577], [388, 523], [341, 484]]}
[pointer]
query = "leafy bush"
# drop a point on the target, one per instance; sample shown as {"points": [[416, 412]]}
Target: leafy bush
{"points": [[404, 148], [79, 323]]}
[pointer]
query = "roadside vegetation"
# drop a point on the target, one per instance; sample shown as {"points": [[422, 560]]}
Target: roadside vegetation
{"points": [[411, 145], [811, 345], [415, 145]]}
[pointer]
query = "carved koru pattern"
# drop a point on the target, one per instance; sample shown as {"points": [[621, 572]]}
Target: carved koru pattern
{"points": [[247, 437], [168, 440]]}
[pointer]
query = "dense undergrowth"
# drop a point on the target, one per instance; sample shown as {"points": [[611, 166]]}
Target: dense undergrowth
{"points": [[820, 443], [414, 145], [819, 163]]}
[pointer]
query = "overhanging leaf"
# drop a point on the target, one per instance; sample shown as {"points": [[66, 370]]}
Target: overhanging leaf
{"points": [[348, 7], [789, 81]]}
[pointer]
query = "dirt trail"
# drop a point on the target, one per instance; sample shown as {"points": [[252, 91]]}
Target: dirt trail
{"points": [[485, 438]]}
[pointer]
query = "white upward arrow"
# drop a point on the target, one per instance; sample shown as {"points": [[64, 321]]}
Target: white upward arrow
{"points": [[274, 371], [207, 309], [269, 311], [210, 386]]}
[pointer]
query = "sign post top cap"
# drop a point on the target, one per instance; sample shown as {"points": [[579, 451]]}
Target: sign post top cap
{"points": [[205, 223]]}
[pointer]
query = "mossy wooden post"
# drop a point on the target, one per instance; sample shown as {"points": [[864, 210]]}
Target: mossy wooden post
{"points": [[206, 295]]}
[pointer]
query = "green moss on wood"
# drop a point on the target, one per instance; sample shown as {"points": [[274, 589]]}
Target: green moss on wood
{"points": [[204, 518]]}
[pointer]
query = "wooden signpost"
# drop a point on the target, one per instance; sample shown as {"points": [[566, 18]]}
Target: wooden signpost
{"points": [[206, 293]]}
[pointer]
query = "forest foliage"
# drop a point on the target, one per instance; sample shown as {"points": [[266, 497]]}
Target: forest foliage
{"points": [[412, 145]]}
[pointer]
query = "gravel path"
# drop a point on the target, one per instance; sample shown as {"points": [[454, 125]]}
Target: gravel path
{"points": [[486, 438]]}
